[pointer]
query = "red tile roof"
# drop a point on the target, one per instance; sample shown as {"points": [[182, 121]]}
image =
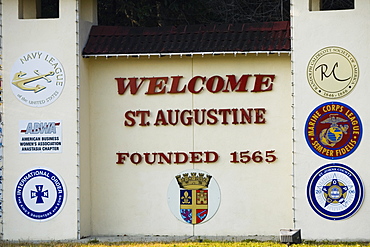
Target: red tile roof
{"points": [[117, 40]]}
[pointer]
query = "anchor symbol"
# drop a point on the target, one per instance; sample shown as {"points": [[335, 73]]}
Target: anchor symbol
{"points": [[20, 82]]}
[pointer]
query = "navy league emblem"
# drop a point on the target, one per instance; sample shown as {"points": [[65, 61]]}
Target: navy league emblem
{"points": [[333, 130], [38, 78], [193, 196], [335, 192], [40, 194]]}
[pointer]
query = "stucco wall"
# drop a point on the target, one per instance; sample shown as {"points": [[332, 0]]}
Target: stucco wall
{"points": [[132, 198], [312, 31], [56, 37]]}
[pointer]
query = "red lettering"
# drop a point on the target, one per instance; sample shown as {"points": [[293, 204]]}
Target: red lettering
{"points": [[219, 84], [193, 81], [160, 118], [163, 156], [196, 116], [175, 85], [223, 113], [131, 121], [215, 84], [260, 81], [246, 116], [170, 115], [136, 158], [121, 158], [188, 119], [235, 116], [132, 84], [195, 157], [213, 117], [142, 115], [181, 157], [241, 84], [208, 157], [157, 83], [259, 115], [146, 158]]}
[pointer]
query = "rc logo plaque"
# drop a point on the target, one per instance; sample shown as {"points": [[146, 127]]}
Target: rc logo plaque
{"points": [[333, 130], [37, 79], [335, 192], [193, 196], [40, 194], [332, 72]]}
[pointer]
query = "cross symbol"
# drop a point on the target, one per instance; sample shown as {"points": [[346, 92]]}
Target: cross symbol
{"points": [[39, 194], [197, 207]]}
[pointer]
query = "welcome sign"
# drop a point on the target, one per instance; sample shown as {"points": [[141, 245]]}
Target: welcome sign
{"points": [[246, 83], [228, 117]]}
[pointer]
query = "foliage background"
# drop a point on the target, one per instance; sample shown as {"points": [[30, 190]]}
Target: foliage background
{"points": [[153, 13]]}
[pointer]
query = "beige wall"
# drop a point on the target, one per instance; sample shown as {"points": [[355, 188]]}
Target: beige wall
{"points": [[88, 17], [57, 37], [312, 31], [131, 199], [105, 198]]}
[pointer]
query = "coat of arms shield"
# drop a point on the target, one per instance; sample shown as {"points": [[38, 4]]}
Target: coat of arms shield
{"points": [[193, 196]]}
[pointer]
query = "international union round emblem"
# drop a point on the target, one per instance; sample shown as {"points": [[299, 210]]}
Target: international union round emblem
{"points": [[193, 196], [335, 192], [40, 194], [333, 130], [37, 78], [332, 72]]}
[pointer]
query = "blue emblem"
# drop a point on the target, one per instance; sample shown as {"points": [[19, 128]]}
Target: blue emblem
{"points": [[40, 194], [333, 130], [335, 192]]}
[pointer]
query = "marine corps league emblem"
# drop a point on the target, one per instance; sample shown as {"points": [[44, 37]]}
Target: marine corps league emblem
{"points": [[335, 191], [40, 194], [333, 130], [37, 79], [193, 196], [332, 72]]}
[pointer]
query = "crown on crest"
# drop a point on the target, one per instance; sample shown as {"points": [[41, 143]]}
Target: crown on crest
{"points": [[193, 182]]}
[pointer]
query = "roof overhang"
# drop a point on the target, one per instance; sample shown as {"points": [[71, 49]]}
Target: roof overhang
{"points": [[189, 54]]}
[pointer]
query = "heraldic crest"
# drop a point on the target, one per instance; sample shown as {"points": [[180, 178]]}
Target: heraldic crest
{"points": [[193, 196]]}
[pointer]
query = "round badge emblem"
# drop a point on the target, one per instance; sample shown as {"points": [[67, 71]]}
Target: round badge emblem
{"points": [[193, 196], [40, 194], [335, 192], [332, 72], [37, 78], [333, 130]]}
